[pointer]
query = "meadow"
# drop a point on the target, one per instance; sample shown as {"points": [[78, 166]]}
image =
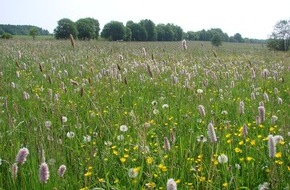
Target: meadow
{"points": [[127, 115]]}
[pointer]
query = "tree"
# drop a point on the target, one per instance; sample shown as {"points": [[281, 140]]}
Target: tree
{"points": [[280, 38], [216, 39], [114, 30], [65, 28], [150, 29], [238, 38], [138, 31], [33, 32], [88, 28], [128, 34]]}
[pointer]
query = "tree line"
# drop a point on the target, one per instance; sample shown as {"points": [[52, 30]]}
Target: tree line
{"points": [[145, 30], [20, 29]]}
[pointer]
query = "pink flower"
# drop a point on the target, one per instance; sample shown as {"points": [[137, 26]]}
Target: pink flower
{"points": [[21, 156], [43, 173], [171, 184], [61, 170]]}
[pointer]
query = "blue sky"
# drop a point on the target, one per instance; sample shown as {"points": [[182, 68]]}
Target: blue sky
{"points": [[250, 18]]}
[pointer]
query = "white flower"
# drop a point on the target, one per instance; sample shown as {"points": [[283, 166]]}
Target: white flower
{"points": [[47, 124], [155, 111], [108, 143], [70, 134], [264, 186], [123, 128], [224, 112], [223, 159], [165, 106], [63, 119], [120, 137], [87, 138], [199, 91], [237, 166], [201, 138], [133, 172], [154, 103]]}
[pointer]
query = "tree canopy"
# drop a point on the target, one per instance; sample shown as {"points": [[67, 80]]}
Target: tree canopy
{"points": [[65, 28], [20, 29], [280, 38], [114, 30], [88, 28]]}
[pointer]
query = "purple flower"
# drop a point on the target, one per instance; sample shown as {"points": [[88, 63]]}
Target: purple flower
{"points": [[61, 170], [21, 156], [43, 173]]}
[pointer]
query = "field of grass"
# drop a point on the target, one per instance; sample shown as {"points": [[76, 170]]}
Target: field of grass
{"points": [[134, 115]]}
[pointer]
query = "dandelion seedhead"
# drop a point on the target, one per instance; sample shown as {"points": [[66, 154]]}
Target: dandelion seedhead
{"points": [[21, 156]]}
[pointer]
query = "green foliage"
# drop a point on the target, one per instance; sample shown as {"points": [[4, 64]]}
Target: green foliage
{"points": [[114, 31], [33, 32], [280, 38], [138, 31], [216, 39], [20, 29], [88, 28], [150, 29], [65, 28], [238, 38], [128, 34], [6, 36]]}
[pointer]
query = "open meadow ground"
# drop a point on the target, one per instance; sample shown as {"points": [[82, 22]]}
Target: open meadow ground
{"points": [[120, 115]]}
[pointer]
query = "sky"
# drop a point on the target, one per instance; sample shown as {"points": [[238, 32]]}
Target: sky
{"points": [[250, 18]]}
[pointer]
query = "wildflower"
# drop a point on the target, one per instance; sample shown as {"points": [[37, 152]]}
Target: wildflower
{"points": [[43, 173], [237, 166], [245, 130], [14, 170], [162, 167], [224, 112], [87, 138], [274, 118], [165, 106], [280, 101], [199, 91], [26, 96], [171, 184], [271, 146], [211, 133], [63, 119], [154, 103], [201, 138], [223, 159], [266, 97], [70, 134], [120, 137], [21, 156], [201, 110], [262, 113], [149, 160], [166, 144], [133, 172], [155, 111], [242, 107], [264, 186], [47, 124], [61, 170], [123, 128], [277, 139]]}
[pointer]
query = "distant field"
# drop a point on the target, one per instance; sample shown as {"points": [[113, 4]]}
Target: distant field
{"points": [[128, 115]]}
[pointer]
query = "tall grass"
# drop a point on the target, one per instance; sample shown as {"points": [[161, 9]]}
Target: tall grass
{"points": [[111, 117]]}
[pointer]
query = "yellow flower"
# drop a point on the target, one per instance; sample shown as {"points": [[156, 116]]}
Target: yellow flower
{"points": [[178, 181], [116, 181], [253, 142], [201, 179], [225, 184], [249, 158], [278, 155], [151, 185], [162, 167], [123, 160], [85, 188], [101, 180], [288, 167], [87, 174], [149, 160], [238, 150], [279, 162]]}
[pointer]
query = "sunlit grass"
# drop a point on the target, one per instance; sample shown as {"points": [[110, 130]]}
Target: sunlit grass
{"points": [[121, 120]]}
